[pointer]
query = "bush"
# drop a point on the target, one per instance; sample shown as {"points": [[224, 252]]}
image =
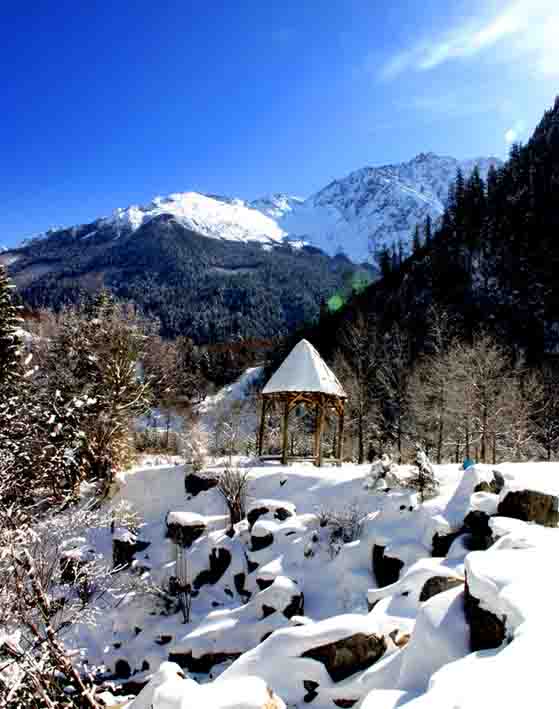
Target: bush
{"points": [[344, 525]]}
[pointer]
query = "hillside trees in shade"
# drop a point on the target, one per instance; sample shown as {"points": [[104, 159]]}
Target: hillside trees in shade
{"points": [[209, 290]]}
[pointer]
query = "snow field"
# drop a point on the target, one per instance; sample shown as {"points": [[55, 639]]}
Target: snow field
{"points": [[248, 622]]}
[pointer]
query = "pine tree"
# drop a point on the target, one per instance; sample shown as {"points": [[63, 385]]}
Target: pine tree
{"points": [[416, 239], [10, 342], [385, 262], [428, 231]]}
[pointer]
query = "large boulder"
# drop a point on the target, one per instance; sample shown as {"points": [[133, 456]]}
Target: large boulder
{"points": [[271, 509], [262, 535], [184, 528], [126, 545], [530, 506], [347, 656], [195, 483], [386, 569], [487, 630], [219, 562], [436, 585]]}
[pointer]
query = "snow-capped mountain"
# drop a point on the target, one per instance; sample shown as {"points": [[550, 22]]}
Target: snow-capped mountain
{"points": [[208, 215], [377, 206], [357, 215]]}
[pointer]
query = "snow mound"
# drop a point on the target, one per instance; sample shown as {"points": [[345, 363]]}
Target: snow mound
{"points": [[170, 689]]}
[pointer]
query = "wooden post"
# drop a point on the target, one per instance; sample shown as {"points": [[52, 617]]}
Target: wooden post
{"points": [[285, 433], [316, 427], [262, 426], [319, 435], [341, 434]]}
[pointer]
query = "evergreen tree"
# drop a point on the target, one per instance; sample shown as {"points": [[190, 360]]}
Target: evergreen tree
{"points": [[427, 231], [416, 244], [385, 262], [10, 342]]}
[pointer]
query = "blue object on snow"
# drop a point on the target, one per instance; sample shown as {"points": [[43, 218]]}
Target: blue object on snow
{"points": [[468, 462]]}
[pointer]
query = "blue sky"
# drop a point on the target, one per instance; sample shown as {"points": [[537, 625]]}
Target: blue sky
{"points": [[105, 104]]}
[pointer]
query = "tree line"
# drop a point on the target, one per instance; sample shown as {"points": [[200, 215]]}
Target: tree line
{"points": [[458, 399]]}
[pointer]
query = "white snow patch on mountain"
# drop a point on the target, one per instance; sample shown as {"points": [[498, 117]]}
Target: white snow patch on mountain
{"points": [[216, 217]]}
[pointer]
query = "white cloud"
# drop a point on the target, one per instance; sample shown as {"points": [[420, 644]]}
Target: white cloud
{"points": [[526, 30], [514, 133]]}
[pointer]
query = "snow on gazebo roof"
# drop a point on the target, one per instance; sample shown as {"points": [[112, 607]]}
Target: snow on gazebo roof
{"points": [[304, 370]]}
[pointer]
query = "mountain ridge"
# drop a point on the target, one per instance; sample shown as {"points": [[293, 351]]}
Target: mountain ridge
{"points": [[369, 209]]}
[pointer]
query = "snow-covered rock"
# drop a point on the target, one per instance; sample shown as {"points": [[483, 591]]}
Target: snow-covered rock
{"points": [[170, 689]]}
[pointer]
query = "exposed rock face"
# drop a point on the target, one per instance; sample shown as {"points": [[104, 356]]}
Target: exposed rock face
{"points": [[530, 506], [239, 580], [202, 664], [442, 543], [310, 689], [185, 528], [438, 584], [274, 509], [262, 535], [125, 547], [219, 563], [296, 607], [477, 523], [386, 569], [195, 483], [345, 657], [487, 631], [495, 486]]}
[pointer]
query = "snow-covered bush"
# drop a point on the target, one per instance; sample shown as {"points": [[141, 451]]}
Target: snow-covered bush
{"points": [[423, 479], [343, 524], [233, 484], [52, 579], [382, 470]]}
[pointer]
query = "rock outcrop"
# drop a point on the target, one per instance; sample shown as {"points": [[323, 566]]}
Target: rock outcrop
{"points": [[530, 506], [184, 528], [386, 569], [345, 657]]}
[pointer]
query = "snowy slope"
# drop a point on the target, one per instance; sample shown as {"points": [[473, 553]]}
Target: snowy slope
{"points": [[377, 206], [211, 216]]}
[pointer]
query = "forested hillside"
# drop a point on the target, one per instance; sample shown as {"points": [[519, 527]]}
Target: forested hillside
{"points": [[491, 264], [208, 289], [468, 326]]}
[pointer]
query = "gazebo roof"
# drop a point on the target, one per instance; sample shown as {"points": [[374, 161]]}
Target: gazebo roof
{"points": [[304, 370]]}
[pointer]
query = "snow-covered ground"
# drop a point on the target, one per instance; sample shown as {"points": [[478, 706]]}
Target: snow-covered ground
{"points": [[334, 590], [286, 599]]}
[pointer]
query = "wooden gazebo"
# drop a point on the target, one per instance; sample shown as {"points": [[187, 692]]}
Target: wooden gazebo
{"points": [[304, 378]]}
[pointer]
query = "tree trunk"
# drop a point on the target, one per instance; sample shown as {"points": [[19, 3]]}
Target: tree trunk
{"points": [[341, 437], [440, 441], [262, 427], [361, 443]]}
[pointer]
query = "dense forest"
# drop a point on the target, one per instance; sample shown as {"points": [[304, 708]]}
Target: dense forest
{"points": [[209, 290]]}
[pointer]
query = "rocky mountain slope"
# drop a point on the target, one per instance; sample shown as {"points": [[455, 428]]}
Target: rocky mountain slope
{"points": [[377, 207]]}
